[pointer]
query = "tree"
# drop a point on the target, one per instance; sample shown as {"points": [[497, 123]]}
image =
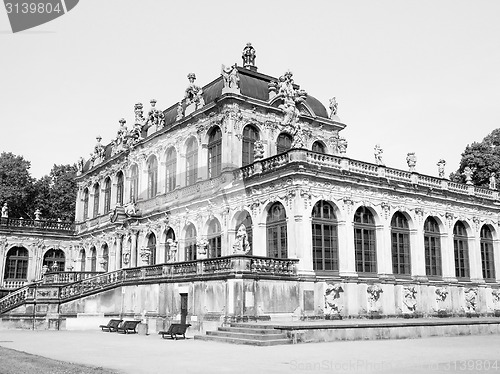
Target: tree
{"points": [[55, 194], [483, 158], [16, 184]]}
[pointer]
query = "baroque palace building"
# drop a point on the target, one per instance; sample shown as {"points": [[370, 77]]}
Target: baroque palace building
{"points": [[240, 201]]}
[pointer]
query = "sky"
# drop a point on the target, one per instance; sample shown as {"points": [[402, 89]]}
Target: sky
{"points": [[417, 76]]}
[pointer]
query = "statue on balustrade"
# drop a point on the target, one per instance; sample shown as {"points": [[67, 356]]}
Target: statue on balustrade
{"points": [[441, 164], [378, 155], [248, 56], [193, 94], [5, 211], [230, 76], [493, 181]]}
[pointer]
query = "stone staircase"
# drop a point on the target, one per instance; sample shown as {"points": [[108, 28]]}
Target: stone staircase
{"points": [[245, 333]]}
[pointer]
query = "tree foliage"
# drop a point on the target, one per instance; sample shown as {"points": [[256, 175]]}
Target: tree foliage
{"points": [[483, 158], [53, 194]]}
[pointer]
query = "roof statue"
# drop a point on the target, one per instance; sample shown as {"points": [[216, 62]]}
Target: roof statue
{"points": [[193, 94], [230, 79], [98, 154], [290, 96], [79, 166], [411, 160], [441, 164], [333, 107], [155, 117], [493, 181], [248, 57], [377, 151], [468, 175], [5, 210], [342, 145], [180, 112], [120, 142]]}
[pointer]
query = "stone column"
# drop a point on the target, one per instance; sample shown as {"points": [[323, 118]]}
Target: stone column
{"points": [[384, 249], [182, 168], [417, 251], [448, 255], [118, 251], [133, 250], [475, 264], [78, 206], [202, 162]]}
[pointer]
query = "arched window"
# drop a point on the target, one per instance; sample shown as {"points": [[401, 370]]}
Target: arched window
{"points": [[105, 257], [152, 177], [277, 246], [96, 199], [400, 240], [364, 241], [93, 259], [250, 136], [318, 147], [432, 245], [16, 264], [246, 220], [214, 152], [85, 204], [169, 238], [191, 162], [54, 260], [487, 259], [152, 249], [461, 249], [134, 183], [214, 239], [171, 170], [119, 188], [190, 243], [82, 259], [324, 237], [284, 143], [107, 195]]}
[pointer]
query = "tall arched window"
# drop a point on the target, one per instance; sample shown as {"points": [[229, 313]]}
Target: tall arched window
{"points": [[364, 241], [169, 238], [107, 195], [171, 170], [16, 264], [277, 246], [214, 152], [97, 191], [400, 240], [85, 204], [318, 147], [250, 136], [190, 243], [461, 249], [432, 245], [105, 257], [284, 143], [324, 237], [93, 259], [134, 183], [119, 188], [152, 177], [487, 259], [82, 259], [54, 260], [152, 248], [214, 239], [191, 162]]}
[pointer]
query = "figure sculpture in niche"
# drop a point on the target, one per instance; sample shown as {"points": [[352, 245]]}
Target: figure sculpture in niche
{"points": [[242, 244]]}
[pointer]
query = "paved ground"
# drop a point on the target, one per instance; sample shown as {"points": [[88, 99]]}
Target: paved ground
{"points": [[139, 354]]}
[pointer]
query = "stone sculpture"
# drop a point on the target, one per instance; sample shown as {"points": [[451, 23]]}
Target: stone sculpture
{"points": [[248, 56], [242, 245], [411, 160], [377, 151], [441, 164]]}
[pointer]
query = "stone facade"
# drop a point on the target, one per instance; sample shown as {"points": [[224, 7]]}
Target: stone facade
{"points": [[251, 168]]}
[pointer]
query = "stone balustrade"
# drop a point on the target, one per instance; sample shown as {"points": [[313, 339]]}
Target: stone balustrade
{"points": [[46, 225], [363, 168], [86, 283]]}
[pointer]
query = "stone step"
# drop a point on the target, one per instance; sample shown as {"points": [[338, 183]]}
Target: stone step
{"points": [[247, 335], [225, 339], [250, 330], [253, 325]]}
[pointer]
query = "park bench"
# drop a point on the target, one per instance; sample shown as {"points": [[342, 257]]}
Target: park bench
{"points": [[174, 330], [128, 327], [112, 325]]}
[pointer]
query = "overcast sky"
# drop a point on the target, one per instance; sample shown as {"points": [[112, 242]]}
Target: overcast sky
{"points": [[415, 76]]}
